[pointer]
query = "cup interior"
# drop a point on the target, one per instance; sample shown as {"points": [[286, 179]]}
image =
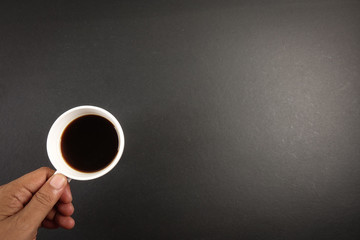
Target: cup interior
{"points": [[54, 142]]}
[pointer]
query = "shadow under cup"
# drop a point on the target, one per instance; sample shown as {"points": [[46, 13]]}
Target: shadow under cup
{"points": [[56, 132]]}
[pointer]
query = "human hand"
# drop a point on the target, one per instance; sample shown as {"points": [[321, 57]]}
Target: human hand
{"points": [[36, 199]]}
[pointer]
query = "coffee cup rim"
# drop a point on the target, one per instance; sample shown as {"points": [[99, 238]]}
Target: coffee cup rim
{"points": [[54, 139]]}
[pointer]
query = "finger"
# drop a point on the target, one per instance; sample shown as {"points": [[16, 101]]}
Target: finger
{"points": [[51, 214], [24, 187], [34, 180], [49, 224], [66, 197], [64, 221], [44, 200], [66, 209]]}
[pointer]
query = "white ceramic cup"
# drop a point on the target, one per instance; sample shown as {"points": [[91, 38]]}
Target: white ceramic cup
{"points": [[53, 144]]}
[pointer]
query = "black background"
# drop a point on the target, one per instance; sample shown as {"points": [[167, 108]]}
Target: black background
{"points": [[241, 118]]}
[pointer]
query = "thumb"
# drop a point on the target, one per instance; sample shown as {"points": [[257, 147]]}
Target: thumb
{"points": [[44, 200]]}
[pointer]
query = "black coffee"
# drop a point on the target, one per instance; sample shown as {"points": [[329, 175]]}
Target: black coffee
{"points": [[89, 143]]}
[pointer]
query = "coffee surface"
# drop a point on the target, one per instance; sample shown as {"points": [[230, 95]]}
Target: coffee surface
{"points": [[89, 143]]}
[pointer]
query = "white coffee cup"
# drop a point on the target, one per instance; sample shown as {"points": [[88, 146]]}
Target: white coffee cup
{"points": [[53, 144]]}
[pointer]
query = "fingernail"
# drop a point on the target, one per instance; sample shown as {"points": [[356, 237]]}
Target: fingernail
{"points": [[58, 181]]}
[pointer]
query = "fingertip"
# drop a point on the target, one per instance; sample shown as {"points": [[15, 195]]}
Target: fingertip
{"points": [[71, 223], [46, 170], [58, 181], [66, 209], [65, 222]]}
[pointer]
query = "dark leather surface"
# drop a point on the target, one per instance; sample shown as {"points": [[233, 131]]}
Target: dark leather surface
{"points": [[241, 118]]}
